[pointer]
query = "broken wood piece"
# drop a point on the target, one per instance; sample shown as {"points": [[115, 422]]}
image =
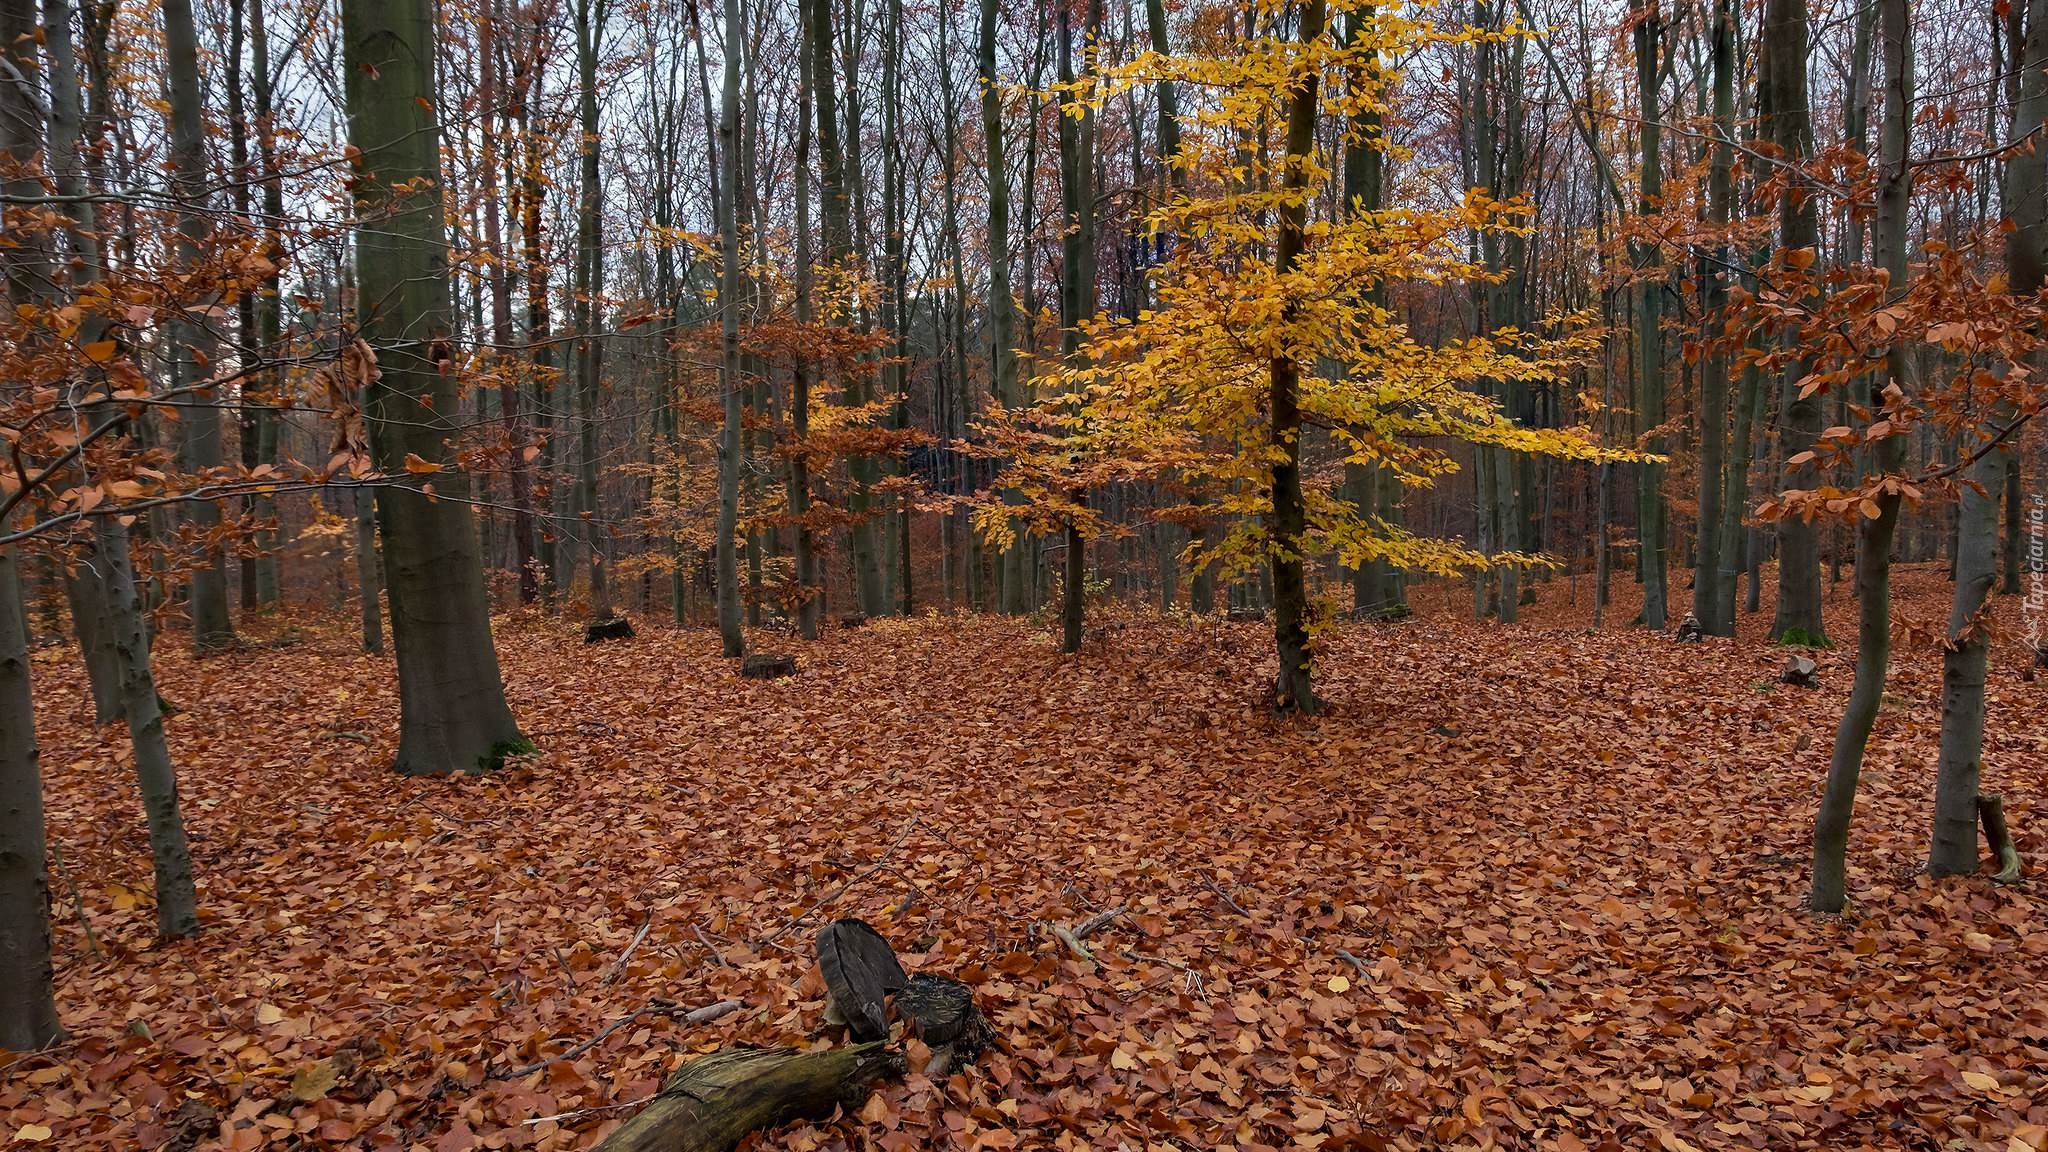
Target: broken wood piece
{"points": [[713, 1102], [619, 965], [1991, 814], [710, 1012], [1081, 952], [766, 667], [1097, 922], [1800, 671], [860, 971], [1689, 630]]}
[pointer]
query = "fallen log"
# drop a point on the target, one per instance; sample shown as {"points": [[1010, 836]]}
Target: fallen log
{"points": [[714, 1101], [711, 1103]]}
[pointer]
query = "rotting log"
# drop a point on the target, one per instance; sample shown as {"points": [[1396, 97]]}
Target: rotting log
{"points": [[711, 1103], [611, 628]]}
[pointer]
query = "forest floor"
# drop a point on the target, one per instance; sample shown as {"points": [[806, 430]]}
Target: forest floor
{"points": [[1521, 887]]}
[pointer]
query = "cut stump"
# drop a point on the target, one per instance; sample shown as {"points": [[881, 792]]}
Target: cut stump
{"points": [[714, 1101], [853, 620], [1689, 630], [616, 628], [767, 667]]}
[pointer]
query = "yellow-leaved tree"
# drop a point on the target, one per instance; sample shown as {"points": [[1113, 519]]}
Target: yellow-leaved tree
{"points": [[1269, 328]]}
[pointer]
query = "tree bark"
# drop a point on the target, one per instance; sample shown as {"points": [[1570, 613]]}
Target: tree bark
{"points": [[1293, 691], [452, 712], [1967, 653], [28, 1005], [714, 1101], [730, 633], [1002, 317], [192, 343], [1785, 43], [1874, 533], [1651, 508], [1713, 587]]}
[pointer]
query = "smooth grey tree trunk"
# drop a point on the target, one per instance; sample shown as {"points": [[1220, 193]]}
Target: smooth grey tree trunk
{"points": [[1713, 587], [177, 904], [1002, 306], [730, 633], [1967, 654], [193, 343], [1874, 533], [1651, 507], [28, 1005], [1785, 43], [452, 712]]}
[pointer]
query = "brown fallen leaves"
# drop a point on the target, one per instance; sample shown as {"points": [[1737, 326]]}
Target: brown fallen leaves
{"points": [[1521, 888]]}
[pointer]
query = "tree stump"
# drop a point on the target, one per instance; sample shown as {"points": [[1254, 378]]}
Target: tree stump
{"points": [[711, 1103], [615, 628], [714, 1101], [1246, 615], [767, 667], [1800, 671], [1689, 630], [853, 620]]}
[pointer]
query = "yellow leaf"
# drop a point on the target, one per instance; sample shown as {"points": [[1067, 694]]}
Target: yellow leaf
{"points": [[414, 464], [101, 351], [1339, 984], [1982, 1082], [268, 1014], [32, 1133], [314, 1081]]}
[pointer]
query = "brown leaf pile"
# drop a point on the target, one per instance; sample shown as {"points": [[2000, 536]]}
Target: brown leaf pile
{"points": [[1522, 888]]}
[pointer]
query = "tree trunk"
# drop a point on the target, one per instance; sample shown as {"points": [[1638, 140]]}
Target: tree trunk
{"points": [[730, 634], [807, 577], [714, 1101], [1002, 318], [1874, 533], [1785, 43], [177, 905], [1651, 507], [1077, 274], [1713, 588], [369, 574], [1293, 691], [192, 343], [589, 285], [1965, 657], [28, 1006], [452, 713]]}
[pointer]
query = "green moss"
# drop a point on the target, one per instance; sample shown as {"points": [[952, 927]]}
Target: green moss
{"points": [[495, 759], [1801, 638]]}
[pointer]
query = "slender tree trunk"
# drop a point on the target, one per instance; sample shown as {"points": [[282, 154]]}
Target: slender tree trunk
{"points": [[492, 125], [177, 905], [1650, 502], [1874, 533], [1293, 691], [1713, 590], [192, 343], [800, 375], [1002, 317], [1077, 275], [269, 307], [1967, 653], [452, 713], [729, 630], [1785, 45], [369, 574], [589, 285]]}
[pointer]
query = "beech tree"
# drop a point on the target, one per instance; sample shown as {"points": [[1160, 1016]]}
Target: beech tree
{"points": [[453, 716]]}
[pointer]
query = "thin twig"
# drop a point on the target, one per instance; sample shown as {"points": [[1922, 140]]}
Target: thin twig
{"points": [[78, 902], [1225, 897], [619, 965], [658, 1008]]}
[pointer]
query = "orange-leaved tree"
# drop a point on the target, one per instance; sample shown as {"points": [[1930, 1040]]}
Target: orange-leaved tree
{"points": [[1268, 334]]}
